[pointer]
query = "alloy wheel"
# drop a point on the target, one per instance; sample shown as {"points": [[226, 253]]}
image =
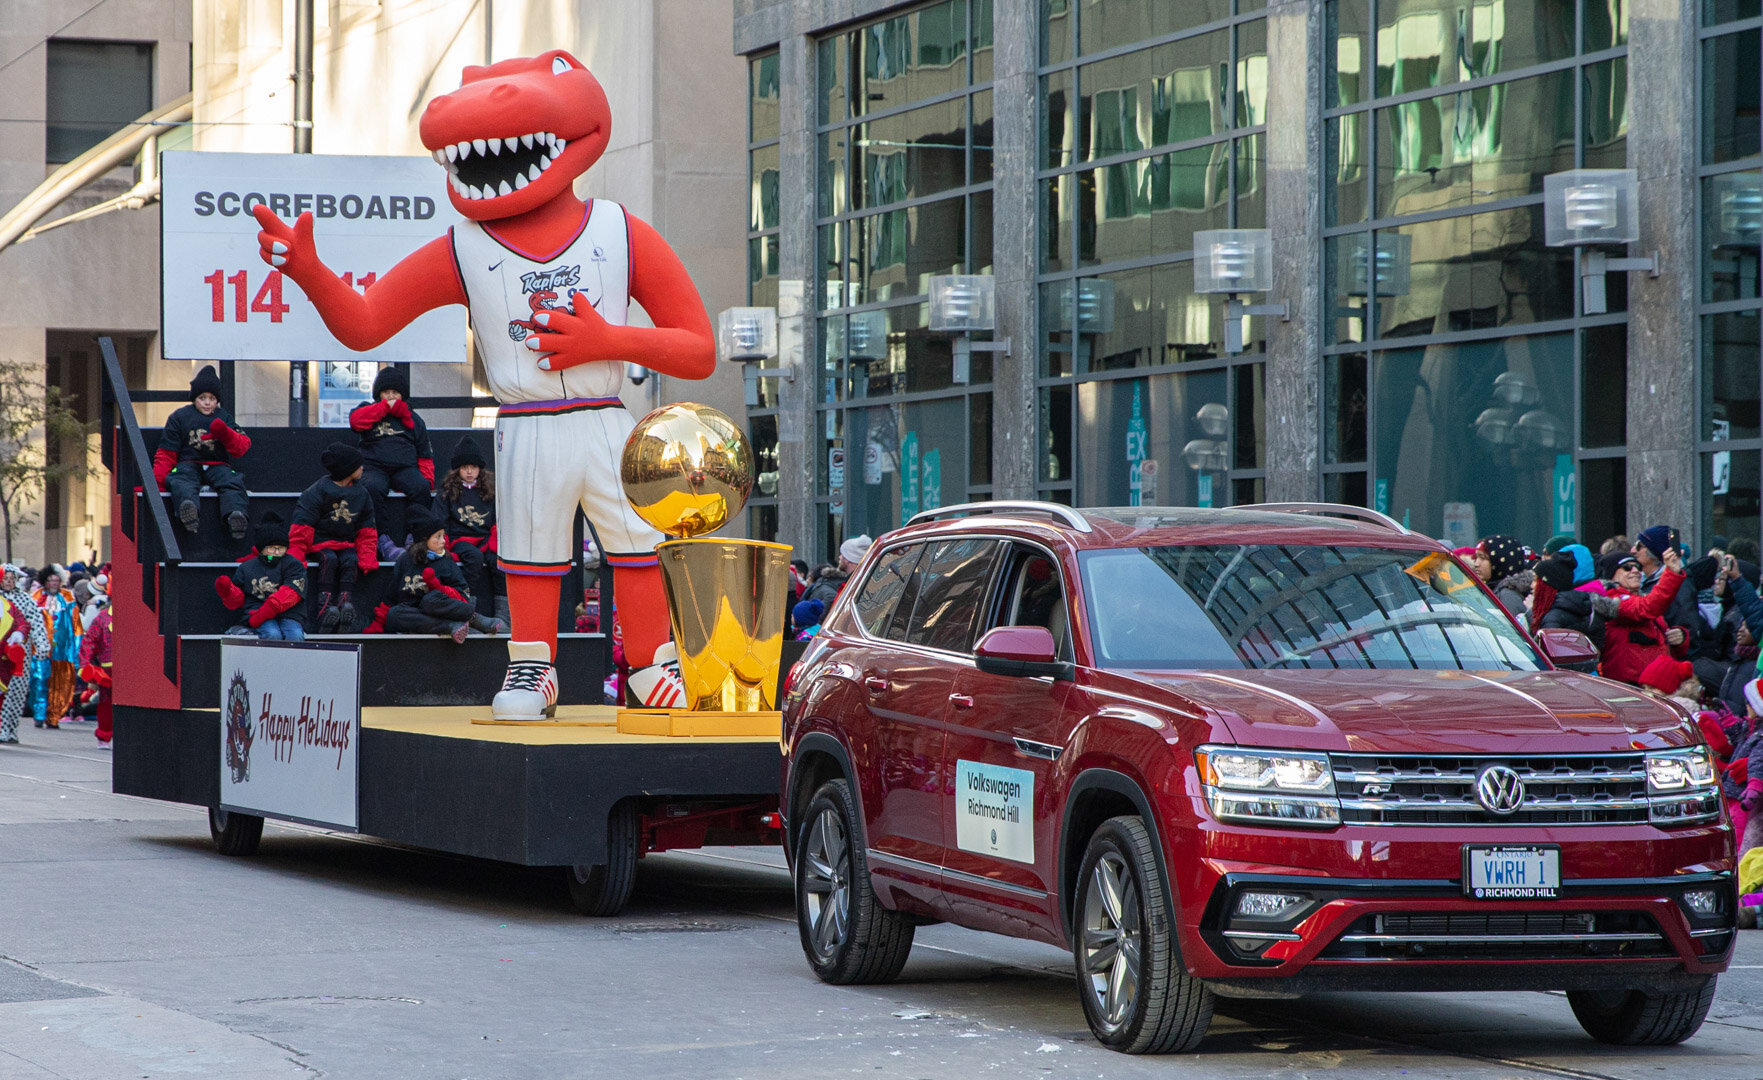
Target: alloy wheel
{"points": [[1112, 942], [826, 883]]}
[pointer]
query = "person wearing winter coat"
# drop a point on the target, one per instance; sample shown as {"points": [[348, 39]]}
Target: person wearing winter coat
{"points": [[334, 519], [95, 671], [429, 592], [1636, 633], [395, 450], [466, 504], [268, 589], [197, 449], [1499, 562]]}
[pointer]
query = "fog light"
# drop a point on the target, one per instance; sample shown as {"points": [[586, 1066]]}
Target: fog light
{"points": [[1267, 905], [1702, 902]]}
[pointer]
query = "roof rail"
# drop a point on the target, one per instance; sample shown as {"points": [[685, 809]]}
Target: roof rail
{"points": [[1065, 515], [1340, 510]]}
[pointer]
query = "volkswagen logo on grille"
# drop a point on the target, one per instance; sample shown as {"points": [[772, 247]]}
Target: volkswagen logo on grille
{"points": [[1500, 790]]}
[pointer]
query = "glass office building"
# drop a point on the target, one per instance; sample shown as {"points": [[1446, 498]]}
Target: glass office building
{"points": [[1437, 359]]}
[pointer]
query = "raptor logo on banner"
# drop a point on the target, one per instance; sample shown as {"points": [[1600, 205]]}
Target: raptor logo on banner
{"points": [[291, 731]]}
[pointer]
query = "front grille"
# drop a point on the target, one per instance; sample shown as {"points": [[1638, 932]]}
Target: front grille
{"points": [[1388, 789], [1499, 935]]}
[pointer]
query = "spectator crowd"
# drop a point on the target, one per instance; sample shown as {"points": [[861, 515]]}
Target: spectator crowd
{"points": [[1668, 621]]}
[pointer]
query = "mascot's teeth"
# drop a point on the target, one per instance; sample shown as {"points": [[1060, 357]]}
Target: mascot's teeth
{"points": [[532, 173], [476, 192], [464, 148], [526, 141], [511, 143], [495, 146], [560, 145], [519, 182], [452, 152], [480, 146], [549, 137], [440, 158], [504, 189]]}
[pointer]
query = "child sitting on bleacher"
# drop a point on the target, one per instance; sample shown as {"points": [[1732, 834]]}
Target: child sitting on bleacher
{"points": [[395, 450], [430, 595], [269, 588], [197, 447], [466, 504], [334, 519]]}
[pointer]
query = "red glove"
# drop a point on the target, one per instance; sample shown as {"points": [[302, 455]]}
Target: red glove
{"points": [[426, 466], [233, 441], [378, 625], [279, 601], [401, 409], [1714, 735], [231, 596], [364, 417], [15, 653], [164, 461], [367, 549], [95, 675], [433, 581]]}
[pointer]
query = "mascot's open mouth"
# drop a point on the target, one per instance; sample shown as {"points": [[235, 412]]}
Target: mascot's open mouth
{"points": [[488, 168]]}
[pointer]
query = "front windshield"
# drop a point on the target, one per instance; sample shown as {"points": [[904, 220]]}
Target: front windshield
{"points": [[1294, 606]]}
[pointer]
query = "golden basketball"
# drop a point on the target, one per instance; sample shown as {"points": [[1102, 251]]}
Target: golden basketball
{"points": [[687, 469]]}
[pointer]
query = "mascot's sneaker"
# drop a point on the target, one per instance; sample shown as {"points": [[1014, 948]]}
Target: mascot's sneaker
{"points": [[659, 685], [529, 690]]}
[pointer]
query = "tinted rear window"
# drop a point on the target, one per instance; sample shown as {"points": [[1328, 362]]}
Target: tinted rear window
{"points": [[1294, 606], [951, 589], [880, 595]]}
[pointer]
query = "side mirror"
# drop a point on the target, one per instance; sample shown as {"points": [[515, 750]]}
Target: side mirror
{"points": [[1568, 648], [1020, 650]]}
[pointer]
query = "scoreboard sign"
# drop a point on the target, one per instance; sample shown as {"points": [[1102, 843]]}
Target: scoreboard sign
{"points": [[220, 301]]}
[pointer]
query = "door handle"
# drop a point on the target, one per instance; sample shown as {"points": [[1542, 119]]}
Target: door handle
{"points": [[876, 685], [961, 701]]}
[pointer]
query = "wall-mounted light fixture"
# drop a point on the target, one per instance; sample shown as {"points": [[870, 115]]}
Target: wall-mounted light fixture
{"points": [[964, 305], [1583, 208], [1234, 261], [748, 336]]}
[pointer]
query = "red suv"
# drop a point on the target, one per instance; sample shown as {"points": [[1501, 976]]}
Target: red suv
{"points": [[1249, 752]]}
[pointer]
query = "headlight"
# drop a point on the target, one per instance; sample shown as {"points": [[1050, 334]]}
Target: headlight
{"points": [[1680, 770], [1268, 787], [1681, 787]]}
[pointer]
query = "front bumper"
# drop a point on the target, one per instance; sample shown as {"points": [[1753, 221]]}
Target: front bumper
{"points": [[1424, 934]]}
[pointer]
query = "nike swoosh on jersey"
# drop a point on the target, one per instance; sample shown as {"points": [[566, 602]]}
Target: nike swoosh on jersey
{"points": [[497, 263]]}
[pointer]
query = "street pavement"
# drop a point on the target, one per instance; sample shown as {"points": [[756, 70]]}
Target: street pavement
{"points": [[130, 949]]}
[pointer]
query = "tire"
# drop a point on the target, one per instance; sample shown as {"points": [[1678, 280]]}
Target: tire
{"points": [[847, 935], [1135, 994], [234, 833], [604, 890], [1638, 1018]]}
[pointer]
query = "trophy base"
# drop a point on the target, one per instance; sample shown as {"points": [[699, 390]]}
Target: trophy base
{"points": [[689, 723]]}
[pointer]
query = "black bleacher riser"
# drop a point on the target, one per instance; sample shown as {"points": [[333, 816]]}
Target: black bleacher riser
{"points": [[287, 459]]}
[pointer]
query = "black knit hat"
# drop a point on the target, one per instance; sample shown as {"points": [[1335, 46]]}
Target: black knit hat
{"points": [[1703, 571], [207, 381], [391, 378], [1556, 572], [340, 460], [423, 525], [271, 531], [467, 453]]}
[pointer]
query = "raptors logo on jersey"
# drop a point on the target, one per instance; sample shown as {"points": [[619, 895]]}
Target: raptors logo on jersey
{"points": [[506, 287], [471, 516]]}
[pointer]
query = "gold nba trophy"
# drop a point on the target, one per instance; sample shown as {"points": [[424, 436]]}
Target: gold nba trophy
{"points": [[687, 469]]}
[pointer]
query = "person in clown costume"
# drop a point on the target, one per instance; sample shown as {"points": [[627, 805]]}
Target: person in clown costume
{"points": [[549, 281], [54, 669], [20, 624]]}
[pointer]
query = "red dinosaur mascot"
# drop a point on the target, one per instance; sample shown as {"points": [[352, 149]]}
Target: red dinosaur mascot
{"points": [[548, 280]]}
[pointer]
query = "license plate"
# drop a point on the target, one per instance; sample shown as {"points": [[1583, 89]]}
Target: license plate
{"points": [[1512, 873]]}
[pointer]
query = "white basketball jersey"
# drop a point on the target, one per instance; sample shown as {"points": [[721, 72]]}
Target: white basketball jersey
{"points": [[505, 287]]}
